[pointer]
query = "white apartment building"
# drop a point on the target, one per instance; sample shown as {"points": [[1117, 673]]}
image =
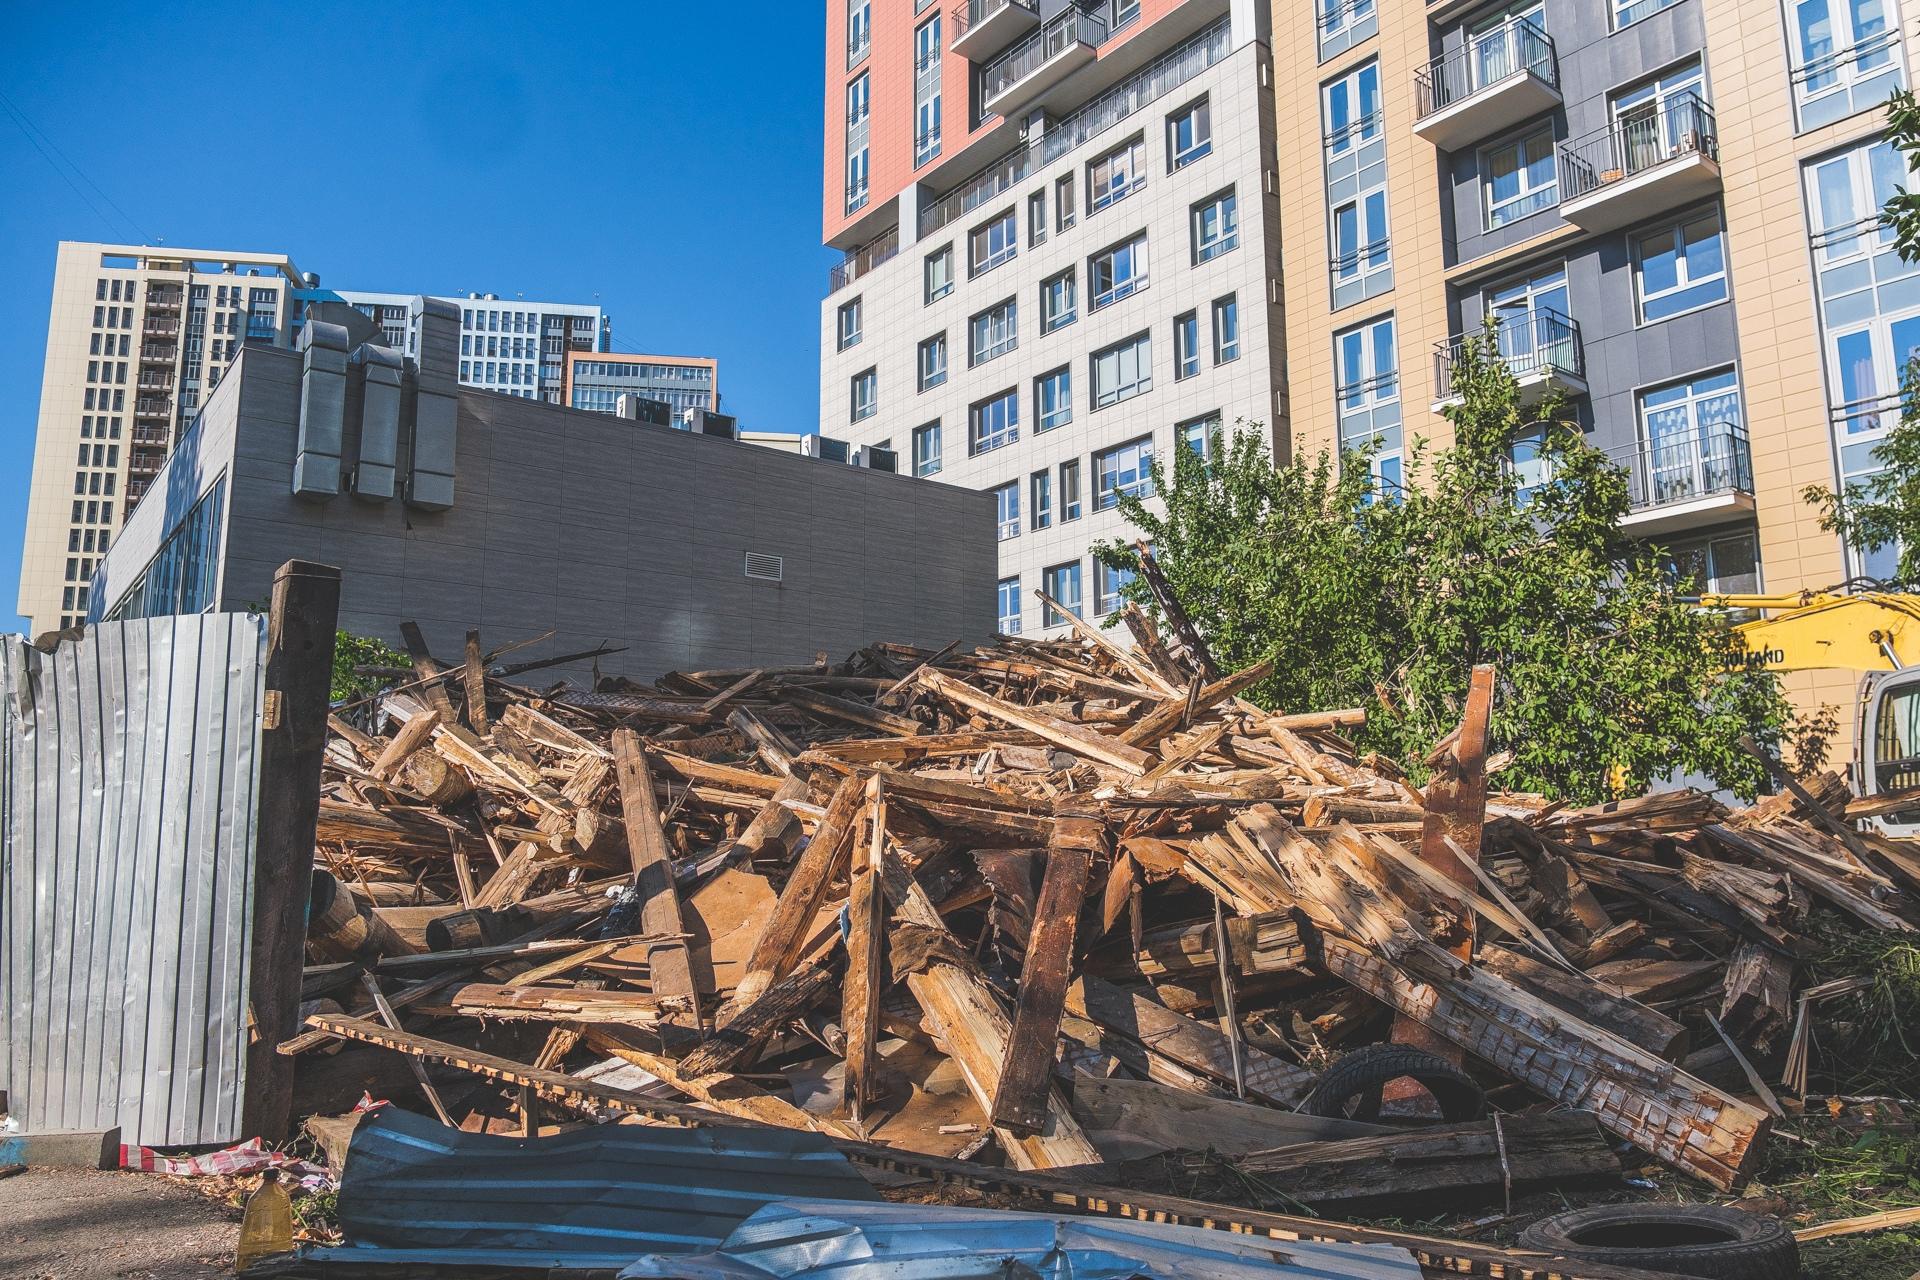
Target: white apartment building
{"points": [[137, 336], [1039, 325], [515, 347]]}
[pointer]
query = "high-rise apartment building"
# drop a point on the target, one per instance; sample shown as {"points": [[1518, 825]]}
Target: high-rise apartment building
{"points": [[1667, 211], [596, 381], [1058, 222], [511, 346], [137, 336]]}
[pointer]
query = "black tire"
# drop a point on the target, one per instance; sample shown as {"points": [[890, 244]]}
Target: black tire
{"points": [[1352, 1086], [1706, 1241]]}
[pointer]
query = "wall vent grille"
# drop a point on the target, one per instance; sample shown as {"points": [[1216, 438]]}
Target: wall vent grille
{"points": [[765, 567]]}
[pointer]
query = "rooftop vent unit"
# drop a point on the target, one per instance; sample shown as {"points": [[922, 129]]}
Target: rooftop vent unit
{"points": [[876, 458], [824, 447], [706, 422]]}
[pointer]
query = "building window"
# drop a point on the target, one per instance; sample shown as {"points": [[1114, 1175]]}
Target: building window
{"points": [[1062, 585], [858, 104], [1053, 399], [1009, 608], [1692, 441], [1063, 203], [993, 243], [1117, 174], [1360, 244], [1108, 583], [939, 273], [1006, 505], [1679, 268], [859, 29], [1198, 433], [1226, 329], [1186, 345], [1058, 305], [866, 394], [926, 91], [1117, 272], [1189, 135], [1127, 469], [1367, 382], [1122, 371], [1124, 12], [849, 324], [1352, 109], [1628, 12], [1718, 566], [933, 362], [1040, 499], [926, 450], [1070, 490], [1037, 217], [993, 423], [1846, 57], [1216, 227], [993, 332], [1520, 178]]}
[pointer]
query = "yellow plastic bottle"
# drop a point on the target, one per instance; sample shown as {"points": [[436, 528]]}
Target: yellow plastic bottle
{"points": [[267, 1228]]}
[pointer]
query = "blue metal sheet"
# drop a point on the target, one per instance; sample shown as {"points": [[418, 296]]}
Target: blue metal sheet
{"points": [[415, 1190]]}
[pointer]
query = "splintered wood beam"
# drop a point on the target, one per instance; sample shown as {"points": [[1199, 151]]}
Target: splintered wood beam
{"points": [[413, 735], [1026, 1072], [473, 676], [774, 831], [669, 963], [1075, 738], [968, 1020], [734, 1047], [778, 949], [866, 936], [851, 712], [1141, 671], [428, 669], [1204, 1049], [1199, 658], [768, 742], [733, 690], [1653, 1104], [1149, 729], [517, 1002], [723, 1094]]}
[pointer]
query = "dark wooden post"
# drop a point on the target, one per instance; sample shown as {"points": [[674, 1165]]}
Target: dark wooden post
{"points": [[300, 630]]}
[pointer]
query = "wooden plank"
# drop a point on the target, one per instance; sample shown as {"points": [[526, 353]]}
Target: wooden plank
{"points": [[851, 712], [1135, 1016], [768, 742], [1589, 1001], [778, 950], [969, 1022], [520, 1002], [1169, 716], [734, 1046], [1069, 737], [733, 690], [866, 937], [429, 671], [1026, 1070], [473, 676], [723, 1094], [413, 735], [668, 963], [392, 1019], [1129, 1116], [301, 622]]}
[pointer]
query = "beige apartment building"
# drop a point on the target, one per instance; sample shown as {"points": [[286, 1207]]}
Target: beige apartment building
{"points": [[137, 337], [1666, 208]]}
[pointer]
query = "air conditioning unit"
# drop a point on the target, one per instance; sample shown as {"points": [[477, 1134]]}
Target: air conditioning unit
{"points": [[877, 458], [705, 422], [656, 413], [825, 448]]}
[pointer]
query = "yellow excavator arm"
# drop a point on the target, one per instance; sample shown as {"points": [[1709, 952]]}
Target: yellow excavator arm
{"points": [[1872, 631]]}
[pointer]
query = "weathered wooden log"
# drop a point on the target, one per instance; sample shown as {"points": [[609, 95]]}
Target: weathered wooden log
{"points": [[341, 927]]}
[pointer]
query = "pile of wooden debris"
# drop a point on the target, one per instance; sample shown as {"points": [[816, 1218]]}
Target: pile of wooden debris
{"points": [[1054, 904]]}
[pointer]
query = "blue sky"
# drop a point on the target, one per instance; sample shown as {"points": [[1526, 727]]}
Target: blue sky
{"points": [[662, 159]]}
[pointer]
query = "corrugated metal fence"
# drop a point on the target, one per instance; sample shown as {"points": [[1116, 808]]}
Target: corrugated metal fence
{"points": [[129, 768]]}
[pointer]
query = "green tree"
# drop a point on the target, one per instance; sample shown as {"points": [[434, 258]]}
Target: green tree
{"points": [[351, 651], [1388, 599], [1883, 509]]}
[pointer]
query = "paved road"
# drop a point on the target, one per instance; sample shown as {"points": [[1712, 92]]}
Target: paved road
{"points": [[72, 1225]]}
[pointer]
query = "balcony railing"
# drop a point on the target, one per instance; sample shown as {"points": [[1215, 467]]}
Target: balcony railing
{"points": [[163, 327], [1163, 76], [1000, 176], [1071, 26], [153, 383], [146, 464], [1538, 346], [864, 259], [1671, 129], [160, 351], [152, 407], [1697, 466], [975, 13], [1516, 47], [149, 435]]}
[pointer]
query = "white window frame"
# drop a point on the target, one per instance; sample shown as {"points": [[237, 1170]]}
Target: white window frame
{"points": [[993, 332], [1359, 128], [1069, 490], [1198, 433], [1685, 283], [1215, 223], [1844, 60], [982, 237], [1007, 591], [1117, 174], [943, 258], [1106, 265], [1040, 500], [1123, 469], [849, 324], [1226, 329], [1006, 507], [930, 372], [864, 406], [1491, 209], [1129, 365], [1108, 582], [1196, 118], [926, 449], [1368, 253], [1051, 579], [1059, 301], [1055, 384], [1186, 345], [1004, 409]]}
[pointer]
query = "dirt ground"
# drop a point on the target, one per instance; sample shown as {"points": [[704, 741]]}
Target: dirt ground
{"points": [[78, 1225]]}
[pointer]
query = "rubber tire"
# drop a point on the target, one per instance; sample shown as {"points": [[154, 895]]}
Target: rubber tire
{"points": [[1359, 1077], [1755, 1247]]}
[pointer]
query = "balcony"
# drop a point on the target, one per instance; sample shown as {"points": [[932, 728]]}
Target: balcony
{"points": [[1501, 77], [984, 27], [155, 382], [1540, 346], [160, 327], [153, 407], [145, 465], [862, 260], [1042, 60], [1682, 483], [166, 300], [149, 435], [1648, 162], [158, 352]]}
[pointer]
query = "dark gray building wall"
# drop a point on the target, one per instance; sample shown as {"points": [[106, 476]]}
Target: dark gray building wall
{"points": [[597, 528], [1622, 358]]}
